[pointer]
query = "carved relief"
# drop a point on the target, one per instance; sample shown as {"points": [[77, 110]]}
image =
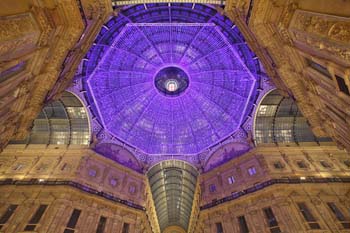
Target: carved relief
{"points": [[340, 31], [12, 27], [322, 32], [18, 33]]}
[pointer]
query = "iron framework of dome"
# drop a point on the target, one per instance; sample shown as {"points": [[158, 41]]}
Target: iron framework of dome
{"points": [[120, 70]]}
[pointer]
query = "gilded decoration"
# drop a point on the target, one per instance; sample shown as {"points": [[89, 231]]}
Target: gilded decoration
{"points": [[18, 33], [46, 35], [322, 32]]}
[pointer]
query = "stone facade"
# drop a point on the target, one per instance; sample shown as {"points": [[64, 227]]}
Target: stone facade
{"points": [[65, 179], [283, 200], [286, 36], [272, 177], [41, 45], [304, 47], [61, 201], [267, 176]]}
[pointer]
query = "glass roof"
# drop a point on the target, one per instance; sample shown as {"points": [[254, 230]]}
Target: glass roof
{"points": [[207, 106], [61, 122], [173, 185], [279, 121]]}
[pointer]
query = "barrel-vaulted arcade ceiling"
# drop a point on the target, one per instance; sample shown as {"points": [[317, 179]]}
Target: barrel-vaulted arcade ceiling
{"points": [[170, 79]]}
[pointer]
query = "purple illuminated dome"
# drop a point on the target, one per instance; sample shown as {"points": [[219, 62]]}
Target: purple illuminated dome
{"points": [[168, 86]]}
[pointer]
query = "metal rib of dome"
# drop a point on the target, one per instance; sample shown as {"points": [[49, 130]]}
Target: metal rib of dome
{"points": [[121, 80]]}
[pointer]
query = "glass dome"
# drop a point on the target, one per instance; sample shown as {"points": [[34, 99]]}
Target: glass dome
{"points": [[170, 79]]}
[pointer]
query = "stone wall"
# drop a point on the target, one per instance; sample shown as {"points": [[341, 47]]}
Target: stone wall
{"points": [[286, 36], [280, 183], [65, 179], [41, 45], [283, 200], [264, 160], [61, 201]]}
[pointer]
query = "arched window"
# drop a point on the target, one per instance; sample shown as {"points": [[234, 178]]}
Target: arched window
{"points": [[278, 120], [62, 122]]}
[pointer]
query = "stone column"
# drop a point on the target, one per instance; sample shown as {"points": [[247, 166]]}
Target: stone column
{"points": [[227, 224], [23, 214], [321, 213], [256, 221], [138, 225], [294, 211], [48, 217], [117, 225], [63, 212], [90, 221], [109, 223]]}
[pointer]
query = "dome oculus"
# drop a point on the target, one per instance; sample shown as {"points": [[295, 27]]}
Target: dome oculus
{"points": [[171, 81]]}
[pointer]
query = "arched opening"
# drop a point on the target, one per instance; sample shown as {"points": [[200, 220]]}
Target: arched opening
{"points": [[62, 122], [279, 121]]}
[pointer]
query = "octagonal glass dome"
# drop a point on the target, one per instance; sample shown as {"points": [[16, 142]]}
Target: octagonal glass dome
{"points": [[167, 84]]}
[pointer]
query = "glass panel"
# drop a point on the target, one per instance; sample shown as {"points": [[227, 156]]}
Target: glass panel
{"points": [[346, 225], [275, 230], [278, 165], [101, 225], [336, 211], [264, 130], [267, 110], [271, 220], [302, 130], [243, 225], [172, 185], [342, 85], [68, 231], [314, 225], [321, 69], [74, 218], [231, 180], [279, 121], [325, 164], [301, 164], [61, 122], [40, 133], [38, 214], [125, 228], [30, 228], [308, 216], [7, 215], [212, 188], [219, 228]]}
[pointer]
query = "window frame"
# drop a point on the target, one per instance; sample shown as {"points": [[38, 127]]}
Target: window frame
{"points": [[231, 180], [252, 171]]}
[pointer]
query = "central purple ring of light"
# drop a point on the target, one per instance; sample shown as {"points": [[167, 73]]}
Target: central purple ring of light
{"points": [[165, 74]]}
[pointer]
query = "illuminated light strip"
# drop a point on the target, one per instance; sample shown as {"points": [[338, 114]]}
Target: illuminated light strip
{"points": [[171, 25], [131, 2]]}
